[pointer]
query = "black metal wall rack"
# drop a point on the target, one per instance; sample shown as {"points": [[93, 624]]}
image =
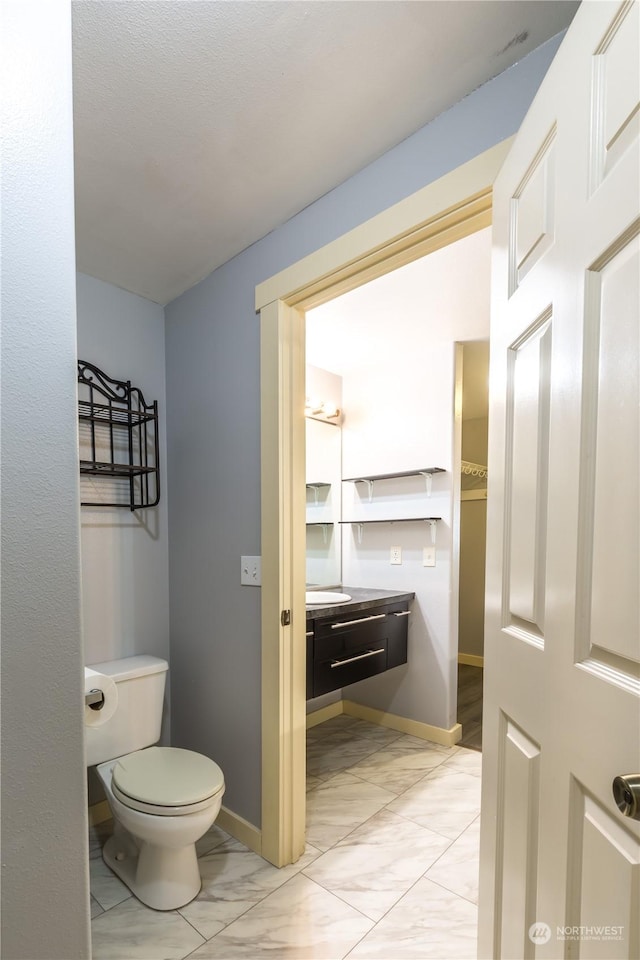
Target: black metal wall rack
{"points": [[118, 439]]}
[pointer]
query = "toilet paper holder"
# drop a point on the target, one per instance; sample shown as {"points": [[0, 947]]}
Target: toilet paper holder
{"points": [[94, 699]]}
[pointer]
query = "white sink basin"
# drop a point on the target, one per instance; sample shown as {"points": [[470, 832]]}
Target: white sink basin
{"points": [[324, 598]]}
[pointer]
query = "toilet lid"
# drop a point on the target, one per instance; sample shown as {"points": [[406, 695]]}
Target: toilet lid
{"points": [[167, 776]]}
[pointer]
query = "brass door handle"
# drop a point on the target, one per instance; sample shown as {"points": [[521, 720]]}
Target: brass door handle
{"points": [[626, 793]]}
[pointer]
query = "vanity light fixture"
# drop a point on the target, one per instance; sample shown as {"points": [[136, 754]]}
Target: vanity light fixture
{"points": [[320, 409]]}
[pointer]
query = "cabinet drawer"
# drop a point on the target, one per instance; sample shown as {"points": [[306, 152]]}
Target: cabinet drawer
{"points": [[341, 637], [348, 668], [353, 646]]}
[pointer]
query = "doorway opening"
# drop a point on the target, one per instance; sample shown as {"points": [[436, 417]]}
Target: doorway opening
{"points": [[389, 356], [473, 530], [447, 210]]}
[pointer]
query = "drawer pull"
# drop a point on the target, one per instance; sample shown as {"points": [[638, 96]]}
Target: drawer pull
{"points": [[403, 613], [361, 656], [309, 633], [352, 623]]}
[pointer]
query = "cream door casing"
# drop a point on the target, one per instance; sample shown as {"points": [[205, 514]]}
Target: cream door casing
{"points": [[560, 873]]}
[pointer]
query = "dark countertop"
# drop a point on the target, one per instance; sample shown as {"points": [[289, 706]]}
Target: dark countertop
{"points": [[363, 598]]}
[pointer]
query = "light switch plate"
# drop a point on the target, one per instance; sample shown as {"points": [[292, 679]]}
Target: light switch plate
{"points": [[395, 556], [428, 556], [251, 571]]}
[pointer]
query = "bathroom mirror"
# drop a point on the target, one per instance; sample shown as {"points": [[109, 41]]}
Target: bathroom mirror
{"points": [[324, 489]]}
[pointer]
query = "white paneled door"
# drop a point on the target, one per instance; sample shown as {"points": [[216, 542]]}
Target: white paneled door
{"points": [[560, 863]]}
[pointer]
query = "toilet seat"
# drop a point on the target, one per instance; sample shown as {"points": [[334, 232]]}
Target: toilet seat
{"points": [[166, 781]]}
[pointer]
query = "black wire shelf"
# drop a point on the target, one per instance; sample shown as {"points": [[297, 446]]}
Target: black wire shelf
{"points": [[118, 440], [105, 469], [105, 413]]}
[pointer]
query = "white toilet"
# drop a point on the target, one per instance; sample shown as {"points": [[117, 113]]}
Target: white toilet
{"points": [[163, 799]]}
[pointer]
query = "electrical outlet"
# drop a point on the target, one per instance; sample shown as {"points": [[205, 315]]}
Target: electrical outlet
{"points": [[251, 571], [428, 556], [396, 555]]}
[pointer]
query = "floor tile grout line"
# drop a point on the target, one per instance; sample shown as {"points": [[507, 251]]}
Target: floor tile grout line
{"points": [[277, 890], [386, 913], [333, 893], [433, 770], [338, 897], [358, 826], [418, 781], [199, 947], [423, 876], [452, 840], [106, 909], [341, 769], [430, 829], [423, 825], [312, 772], [193, 927], [253, 903], [446, 850], [349, 770], [113, 905], [454, 893]]}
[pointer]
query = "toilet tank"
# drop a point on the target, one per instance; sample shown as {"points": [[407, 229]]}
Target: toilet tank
{"points": [[136, 723]]}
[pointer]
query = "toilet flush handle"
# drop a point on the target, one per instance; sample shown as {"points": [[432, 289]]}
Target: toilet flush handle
{"points": [[94, 699]]}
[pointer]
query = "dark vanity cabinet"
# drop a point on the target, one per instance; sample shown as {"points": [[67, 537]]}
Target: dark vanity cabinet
{"points": [[351, 646]]}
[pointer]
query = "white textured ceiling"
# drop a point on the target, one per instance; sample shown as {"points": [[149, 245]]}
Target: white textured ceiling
{"points": [[202, 126]]}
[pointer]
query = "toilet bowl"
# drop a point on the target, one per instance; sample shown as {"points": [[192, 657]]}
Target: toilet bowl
{"points": [[163, 799]]}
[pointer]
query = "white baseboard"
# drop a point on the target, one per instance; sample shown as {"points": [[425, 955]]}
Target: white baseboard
{"points": [[425, 731], [240, 829], [473, 495], [324, 713], [471, 659], [98, 813]]}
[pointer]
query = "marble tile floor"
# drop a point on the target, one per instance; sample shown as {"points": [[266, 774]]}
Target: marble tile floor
{"points": [[389, 871]]}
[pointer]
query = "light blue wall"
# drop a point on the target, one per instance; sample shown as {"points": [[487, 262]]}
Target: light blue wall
{"points": [[125, 555], [213, 424], [45, 881], [125, 563]]}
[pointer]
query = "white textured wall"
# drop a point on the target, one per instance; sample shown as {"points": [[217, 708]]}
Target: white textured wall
{"points": [[45, 891]]}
